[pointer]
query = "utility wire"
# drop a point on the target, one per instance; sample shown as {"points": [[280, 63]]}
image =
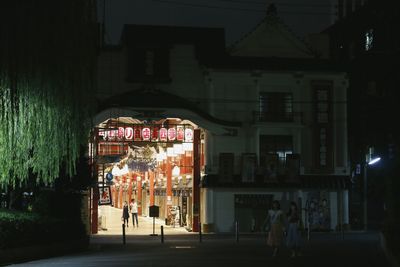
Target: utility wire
{"points": [[276, 3], [236, 101], [239, 9]]}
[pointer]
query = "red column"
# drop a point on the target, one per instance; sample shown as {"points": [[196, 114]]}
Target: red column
{"points": [[151, 181], [188, 162], [169, 185], [95, 205], [130, 177], [196, 180], [120, 193], [114, 196], [139, 195]]}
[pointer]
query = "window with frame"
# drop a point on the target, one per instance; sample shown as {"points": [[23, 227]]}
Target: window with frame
{"points": [[276, 106], [280, 145]]}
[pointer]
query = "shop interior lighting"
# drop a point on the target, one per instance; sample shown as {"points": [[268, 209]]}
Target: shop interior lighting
{"points": [[178, 149], [187, 146]]}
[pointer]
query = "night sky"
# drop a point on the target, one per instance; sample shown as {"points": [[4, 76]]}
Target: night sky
{"points": [[236, 16]]}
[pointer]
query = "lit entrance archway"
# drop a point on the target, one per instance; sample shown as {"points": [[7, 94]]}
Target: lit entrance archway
{"points": [[155, 162]]}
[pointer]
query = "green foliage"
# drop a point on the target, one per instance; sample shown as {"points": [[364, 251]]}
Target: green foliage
{"points": [[20, 229], [47, 78]]}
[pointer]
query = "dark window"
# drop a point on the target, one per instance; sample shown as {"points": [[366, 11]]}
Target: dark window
{"points": [[276, 107], [349, 7], [340, 9], [148, 64], [280, 145]]}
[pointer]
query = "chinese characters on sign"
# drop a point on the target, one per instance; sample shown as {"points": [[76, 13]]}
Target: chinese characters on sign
{"points": [[323, 123], [105, 195], [151, 133]]}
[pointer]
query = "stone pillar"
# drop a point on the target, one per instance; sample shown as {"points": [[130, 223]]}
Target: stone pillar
{"points": [[333, 200], [208, 219], [346, 207]]}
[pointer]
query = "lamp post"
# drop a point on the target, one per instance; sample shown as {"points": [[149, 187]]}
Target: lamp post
{"points": [[369, 161]]}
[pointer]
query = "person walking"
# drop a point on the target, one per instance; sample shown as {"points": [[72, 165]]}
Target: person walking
{"points": [[293, 239], [275, 225], [125, 214], [134, 211]]}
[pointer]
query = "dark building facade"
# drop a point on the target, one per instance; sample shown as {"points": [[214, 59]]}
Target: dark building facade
{"points": [[367, 43]]}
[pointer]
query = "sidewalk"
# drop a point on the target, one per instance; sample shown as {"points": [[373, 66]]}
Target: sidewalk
{"points": [[113, 224]]}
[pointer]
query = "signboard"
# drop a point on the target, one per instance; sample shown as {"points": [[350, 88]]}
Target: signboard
{"points": [[323, 153], [154, 211], [148, 133], [105, 195]]}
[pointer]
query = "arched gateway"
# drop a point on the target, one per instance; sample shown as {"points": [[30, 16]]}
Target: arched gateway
{"points": [[149, 145]]}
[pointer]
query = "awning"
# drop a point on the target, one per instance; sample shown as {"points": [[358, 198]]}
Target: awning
{"points": [[322, 182]]}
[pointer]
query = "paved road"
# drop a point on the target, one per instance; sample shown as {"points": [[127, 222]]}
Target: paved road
{"points": [[324, 250]]}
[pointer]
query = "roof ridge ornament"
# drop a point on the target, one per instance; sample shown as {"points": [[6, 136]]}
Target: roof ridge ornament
{"points": [[272, 10]]}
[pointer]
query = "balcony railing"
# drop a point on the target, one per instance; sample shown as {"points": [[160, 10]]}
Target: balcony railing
{"points": [[276, 116]]}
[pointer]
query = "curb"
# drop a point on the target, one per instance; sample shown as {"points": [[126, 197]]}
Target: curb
{"points": [[388, 253]]}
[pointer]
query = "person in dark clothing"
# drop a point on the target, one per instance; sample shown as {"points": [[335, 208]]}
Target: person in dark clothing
{"points": [[295, 227], [125, 214]]}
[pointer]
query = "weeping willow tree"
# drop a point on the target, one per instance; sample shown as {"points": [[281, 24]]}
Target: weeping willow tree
{"points": [[47, 78]]}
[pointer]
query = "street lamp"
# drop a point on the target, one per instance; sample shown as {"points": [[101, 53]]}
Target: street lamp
{"points": [[370, 161]]}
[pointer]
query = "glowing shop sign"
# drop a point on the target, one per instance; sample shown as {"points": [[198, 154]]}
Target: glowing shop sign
{"points": [[152, 133]]}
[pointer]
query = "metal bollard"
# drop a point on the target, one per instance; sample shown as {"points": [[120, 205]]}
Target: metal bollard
{"points": [[237, 231], [123, 234], [162, 234], [200, 234]]}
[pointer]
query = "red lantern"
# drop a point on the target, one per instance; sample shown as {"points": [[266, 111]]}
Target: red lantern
{"points": [[171, 134], [137, 134], [146, 133], [154, 134], [128, 133], [188, 135], [163, 134], [180, 133], [121, 132], [112, 134]]}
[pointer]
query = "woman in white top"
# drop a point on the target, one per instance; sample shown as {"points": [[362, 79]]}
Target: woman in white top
{"points": [[134, 211]]}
